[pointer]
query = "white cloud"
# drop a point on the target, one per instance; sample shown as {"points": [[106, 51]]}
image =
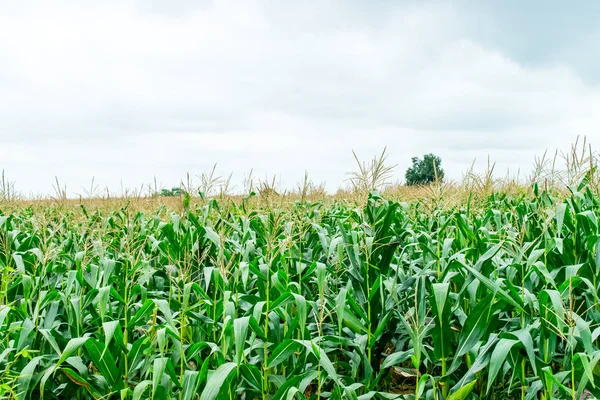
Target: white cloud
{"points": [[129, 90]]}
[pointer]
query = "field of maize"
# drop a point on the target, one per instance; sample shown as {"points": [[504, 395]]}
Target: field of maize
{"points": [[494, 298]]}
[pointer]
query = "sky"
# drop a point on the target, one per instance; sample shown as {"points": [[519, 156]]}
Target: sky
{"points": [[127, 92]]}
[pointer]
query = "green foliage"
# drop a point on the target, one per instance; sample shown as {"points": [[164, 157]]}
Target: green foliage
{"points": [[495, 300], [425, 171], [174, 192]]}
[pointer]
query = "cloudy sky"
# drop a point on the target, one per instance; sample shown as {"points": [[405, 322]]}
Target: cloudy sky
{"points": [[123, 91]]}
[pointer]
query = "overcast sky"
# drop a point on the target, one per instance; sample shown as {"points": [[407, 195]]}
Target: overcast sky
{"points": [[127, 90]]}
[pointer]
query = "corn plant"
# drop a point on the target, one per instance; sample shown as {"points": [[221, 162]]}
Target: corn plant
{"points": [[271, 300]]}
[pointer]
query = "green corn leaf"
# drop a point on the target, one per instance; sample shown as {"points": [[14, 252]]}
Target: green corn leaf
{"points": [[190, 383], [294, 382], [140, 388], [396, 358], [25, 376], [524, 336], [495, 288], [104, 362], [340, 307], [498, 358], [475, 328], [112, 329], [214, 386], [463, 392], [584, 360], [142, 314], [240, 327], [158, 370], [252, 375], [560, 217], [81, 381], [163, 306], [72, 346], [282, 352]]}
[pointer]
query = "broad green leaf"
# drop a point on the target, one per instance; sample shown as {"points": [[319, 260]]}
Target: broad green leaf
{"points": [[214, 386], [463, 392], [498, 358], [158, 370], [140, 388], [396, 358], [240, 328], [282, 352], [190, 381]]}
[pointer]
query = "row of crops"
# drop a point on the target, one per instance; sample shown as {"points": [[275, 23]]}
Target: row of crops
{"points": [[494, 299]]}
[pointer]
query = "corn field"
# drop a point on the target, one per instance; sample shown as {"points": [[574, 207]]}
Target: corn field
{"points": [[495, 298]]}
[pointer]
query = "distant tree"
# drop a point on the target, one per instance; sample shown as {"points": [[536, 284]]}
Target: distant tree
{"points": [[425, 171], [171, 193]]}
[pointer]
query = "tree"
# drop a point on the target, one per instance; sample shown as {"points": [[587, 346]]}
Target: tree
{"points": [[171, 193], [425, 171]]}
